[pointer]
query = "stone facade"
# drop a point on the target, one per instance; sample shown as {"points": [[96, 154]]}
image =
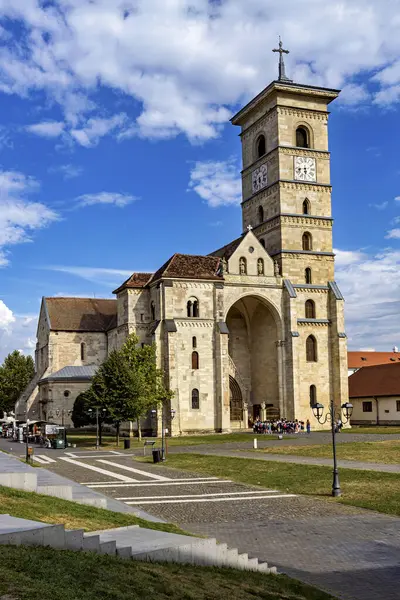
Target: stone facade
{"points": [[255, 329]]}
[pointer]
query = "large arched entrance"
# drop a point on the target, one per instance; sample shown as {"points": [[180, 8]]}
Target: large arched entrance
{"points": [[236, 400], [253, 356]]}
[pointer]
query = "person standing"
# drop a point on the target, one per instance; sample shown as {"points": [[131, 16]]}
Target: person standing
{"points": [[308, 426]]}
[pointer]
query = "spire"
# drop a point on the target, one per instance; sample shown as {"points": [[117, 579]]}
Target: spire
{"points": [[282, 74]]}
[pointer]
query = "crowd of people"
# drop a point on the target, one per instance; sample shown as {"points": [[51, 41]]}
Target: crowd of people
{"points": [[281, 426]]}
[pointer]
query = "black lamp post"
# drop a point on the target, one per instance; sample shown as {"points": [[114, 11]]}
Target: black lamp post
{"points": [[154, 416], [103, 412], [347, 410], [63, 412]]}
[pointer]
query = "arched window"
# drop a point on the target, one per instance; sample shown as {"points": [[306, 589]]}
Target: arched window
{"points": [[260, 214], [83, 351], [307, 241], [153, 311], [311, 349], [262, 242], [310, 309], [195, 399], [242, 266], [261, 146], [302, 138], [313, 395], [192, 307], [306, 207], [194, 342], [307, 275], [260, 266], [195, 360]]}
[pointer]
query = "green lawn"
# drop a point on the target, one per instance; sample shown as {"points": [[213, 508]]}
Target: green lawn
{"points": [[380, 429], [37, 507], [35, 573], [367, 489], [89, 440], [379, 452]]}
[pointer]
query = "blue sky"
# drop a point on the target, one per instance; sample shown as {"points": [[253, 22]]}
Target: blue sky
{"points": [[116, 149]]}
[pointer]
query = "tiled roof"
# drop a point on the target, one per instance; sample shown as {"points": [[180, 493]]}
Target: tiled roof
{"points": [[71, 373], [136, 280], [81, 314], [188, 266], [360, 358], [378, 380], [227, 251]]}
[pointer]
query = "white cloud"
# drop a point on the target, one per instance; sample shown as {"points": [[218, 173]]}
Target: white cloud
{"points": [[16, 332], [48, 129], [397, 198], [117, 199], [19, 216], [217, 182], [371, 288], [380, 206], [68, 171], [186, 63], [95, 129], [98, 275], [393, 234]]}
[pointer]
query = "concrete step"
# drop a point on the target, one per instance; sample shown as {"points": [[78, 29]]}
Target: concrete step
{"points": [[19, 481], [124, 551], [242, 561], [108, 548], [58, 491], [232, 558], [91, 543], [252, 564], [74, 539]]}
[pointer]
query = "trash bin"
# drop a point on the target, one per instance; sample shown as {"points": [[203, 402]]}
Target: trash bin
{"points": [[127, 444], [156, 455]]}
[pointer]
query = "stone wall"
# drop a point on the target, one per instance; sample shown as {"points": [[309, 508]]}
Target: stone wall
{"points": [[52, 397]]}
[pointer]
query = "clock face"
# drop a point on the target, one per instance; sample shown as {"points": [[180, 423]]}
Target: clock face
{"points": [[304, 168], [259, 178]]}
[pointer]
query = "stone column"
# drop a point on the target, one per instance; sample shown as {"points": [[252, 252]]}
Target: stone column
{"points": [[280, 346], [245, 415], [263, 411]]}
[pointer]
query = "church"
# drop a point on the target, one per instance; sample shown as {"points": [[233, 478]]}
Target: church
{"points": [[252, 329]]}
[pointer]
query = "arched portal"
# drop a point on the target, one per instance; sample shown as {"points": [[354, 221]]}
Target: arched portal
{"points": [[236, 400], [255, 355]]}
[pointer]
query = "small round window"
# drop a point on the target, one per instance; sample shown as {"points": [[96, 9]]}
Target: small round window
{"points": [[251, 249], [66, 393]]}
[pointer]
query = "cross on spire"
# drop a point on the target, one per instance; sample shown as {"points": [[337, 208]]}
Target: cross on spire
{"points": [[282, 51]]}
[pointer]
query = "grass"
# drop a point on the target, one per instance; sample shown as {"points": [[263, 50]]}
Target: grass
{"points": [[387, 452], [375, 429], [366, 489], [87, 440], [37, 507], [34, 573]]}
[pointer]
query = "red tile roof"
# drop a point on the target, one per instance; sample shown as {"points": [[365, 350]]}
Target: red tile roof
{"points": [[187, 266], [378, 380], [362, 358], [136, 280], [81, 314]]}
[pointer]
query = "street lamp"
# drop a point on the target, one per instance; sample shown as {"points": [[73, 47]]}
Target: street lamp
{"points": [[334, 413], [103, 412], [63, 412], [154, 416]]}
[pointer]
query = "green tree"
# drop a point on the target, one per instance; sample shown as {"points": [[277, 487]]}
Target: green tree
{"points": [[128, 383], [16, 372], [84, 412]]}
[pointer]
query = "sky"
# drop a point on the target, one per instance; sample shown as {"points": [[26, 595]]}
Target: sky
{"points": [[116, 149]]}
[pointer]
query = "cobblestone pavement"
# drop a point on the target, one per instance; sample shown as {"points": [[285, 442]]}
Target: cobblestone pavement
{"points": [[350, 552]]}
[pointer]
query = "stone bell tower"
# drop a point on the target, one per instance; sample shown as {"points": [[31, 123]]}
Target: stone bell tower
{"points": [[286, 176]]}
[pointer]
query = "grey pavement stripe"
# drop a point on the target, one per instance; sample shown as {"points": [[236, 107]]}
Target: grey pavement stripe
{"points": [[153, 483], [45, 458], [270, 497], [98, 470], [93, 455], [137, 471], [40, 460], [202, 495]]}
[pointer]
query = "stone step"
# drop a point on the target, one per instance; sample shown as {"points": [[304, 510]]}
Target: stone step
{"points": [[57, 491], [252, 564], [124, 551], [19, 481], [74, 539], [91, 543], [231, 558], [108, 548], [242, 561]]}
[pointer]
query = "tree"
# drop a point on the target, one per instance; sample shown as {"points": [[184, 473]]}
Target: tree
{"points": [[128, 383], [16, 372], [84, 412]]}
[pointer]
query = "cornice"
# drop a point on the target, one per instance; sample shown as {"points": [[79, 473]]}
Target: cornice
{"points": [[315, 322], [290, 184]]}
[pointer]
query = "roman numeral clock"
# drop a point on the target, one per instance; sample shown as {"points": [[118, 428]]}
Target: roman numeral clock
{"points": [[305, 168]]}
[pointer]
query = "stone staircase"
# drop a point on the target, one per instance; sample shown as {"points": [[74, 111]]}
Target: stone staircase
{"points": [[131, 543]]}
